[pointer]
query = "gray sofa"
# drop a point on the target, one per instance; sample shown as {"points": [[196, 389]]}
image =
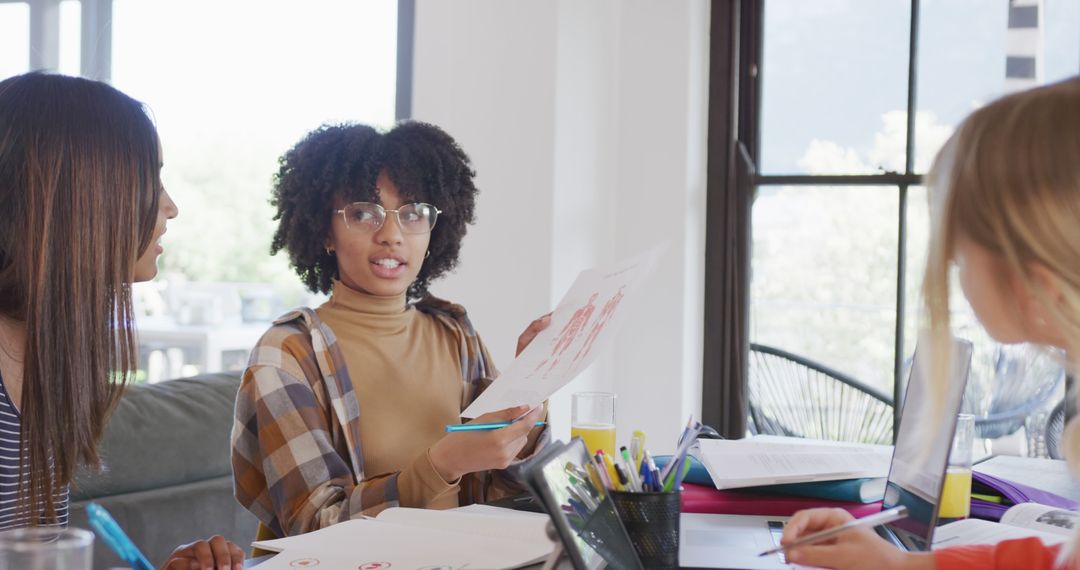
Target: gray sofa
{"points": [[167, 478]]}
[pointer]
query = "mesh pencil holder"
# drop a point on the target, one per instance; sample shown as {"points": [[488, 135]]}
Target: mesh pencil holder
{"points": [[652, 522]]}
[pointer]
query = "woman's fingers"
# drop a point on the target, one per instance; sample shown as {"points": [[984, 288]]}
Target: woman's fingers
{"points": [[813, 520], [504, 415], [531, 331]]}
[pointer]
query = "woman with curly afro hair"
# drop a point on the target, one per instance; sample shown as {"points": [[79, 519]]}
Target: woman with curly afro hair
{"points": [[342, 409]]}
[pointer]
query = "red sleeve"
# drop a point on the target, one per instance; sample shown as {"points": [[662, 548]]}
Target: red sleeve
{"points": [[1024, 553]]}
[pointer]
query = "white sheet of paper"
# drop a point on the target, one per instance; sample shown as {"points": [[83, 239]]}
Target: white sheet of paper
{"points": [[450, 540], [583, 323]]}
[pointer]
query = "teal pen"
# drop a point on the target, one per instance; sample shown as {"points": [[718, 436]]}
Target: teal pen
{"points": [[482, 426], [111, 533]]}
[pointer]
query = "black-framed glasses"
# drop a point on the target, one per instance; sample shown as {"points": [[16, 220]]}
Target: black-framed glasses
{"points": [[416, 218]]}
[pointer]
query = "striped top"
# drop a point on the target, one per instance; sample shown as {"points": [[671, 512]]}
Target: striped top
{"points": [[10, 430]]}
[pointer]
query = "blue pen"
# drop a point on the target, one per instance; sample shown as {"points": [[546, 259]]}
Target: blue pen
{"points": [[103, 523], [481, 427], [646, 478]]}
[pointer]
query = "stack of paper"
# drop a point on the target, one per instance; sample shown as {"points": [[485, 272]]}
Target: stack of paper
{"points": [[418, 538], [772, 460]]}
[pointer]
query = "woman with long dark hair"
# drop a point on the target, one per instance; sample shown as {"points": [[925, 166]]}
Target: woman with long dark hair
{"points": [[83, 209]]}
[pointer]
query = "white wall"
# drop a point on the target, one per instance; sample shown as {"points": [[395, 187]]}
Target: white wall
{"points": [[586, 124]]}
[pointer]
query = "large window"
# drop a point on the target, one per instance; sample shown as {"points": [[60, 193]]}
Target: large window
{"points": [[14, 38], [843, 130], [231, 86]]}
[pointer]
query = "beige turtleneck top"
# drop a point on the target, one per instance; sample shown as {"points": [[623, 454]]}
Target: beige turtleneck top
{"points": [[408, 380]]}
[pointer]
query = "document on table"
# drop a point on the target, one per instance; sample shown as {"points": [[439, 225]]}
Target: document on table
{"points": [[581, 325], [762, 460], [417, 538], [975, 531]]}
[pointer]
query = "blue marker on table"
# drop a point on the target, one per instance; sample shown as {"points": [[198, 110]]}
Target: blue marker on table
{"points": [[110, 532], [482, 426]]}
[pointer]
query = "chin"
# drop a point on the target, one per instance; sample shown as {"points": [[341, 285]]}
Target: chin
{"points": [[145, 274], [389, 290]]}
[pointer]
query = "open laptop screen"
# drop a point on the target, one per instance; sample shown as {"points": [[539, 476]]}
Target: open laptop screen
{"points": [[922, 446]]}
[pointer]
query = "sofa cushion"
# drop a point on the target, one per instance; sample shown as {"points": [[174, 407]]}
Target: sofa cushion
{"points": [[165, 434]]}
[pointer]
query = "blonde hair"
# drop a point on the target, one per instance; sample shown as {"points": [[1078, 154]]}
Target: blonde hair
{"points": [[1009, 180]]}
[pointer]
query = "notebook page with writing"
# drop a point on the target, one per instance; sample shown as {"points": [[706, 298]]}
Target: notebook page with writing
{"points": [[975, 531], [528, 527]]}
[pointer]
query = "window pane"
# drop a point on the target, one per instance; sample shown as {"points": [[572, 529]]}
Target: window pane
{"points": [[918, 238], [232, 85], [972, 52], [70, 34], [824, 277], [14, 39], [834, 87], [1012, 390]]}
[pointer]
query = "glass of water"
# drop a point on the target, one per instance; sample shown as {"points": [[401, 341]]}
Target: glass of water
{"points": [[46, 548]]}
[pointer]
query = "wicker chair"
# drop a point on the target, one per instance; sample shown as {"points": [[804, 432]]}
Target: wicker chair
{"points": [[1055, 425], [793, 396], [1013, 383]]}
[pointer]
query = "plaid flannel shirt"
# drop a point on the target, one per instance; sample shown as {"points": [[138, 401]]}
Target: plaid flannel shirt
{"points": [[296, 452]]}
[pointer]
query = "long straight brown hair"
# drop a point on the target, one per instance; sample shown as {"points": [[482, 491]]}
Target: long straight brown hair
{"points": [[79, 188]]}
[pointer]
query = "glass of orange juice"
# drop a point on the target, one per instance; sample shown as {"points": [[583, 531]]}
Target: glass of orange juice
{"points": [[956, 491], [592, 417]]}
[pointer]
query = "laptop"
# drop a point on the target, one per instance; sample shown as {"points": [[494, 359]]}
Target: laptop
{"points": [[593, 538], [917, 473]]}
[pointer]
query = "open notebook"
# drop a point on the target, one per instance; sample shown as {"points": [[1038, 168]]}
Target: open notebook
{"points": [[1052, 525], [772, 460], [477, 539]]}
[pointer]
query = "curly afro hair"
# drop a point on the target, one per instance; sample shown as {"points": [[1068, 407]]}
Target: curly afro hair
{"points": [[343, 161]]}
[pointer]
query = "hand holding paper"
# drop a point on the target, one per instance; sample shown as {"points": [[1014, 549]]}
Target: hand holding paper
{"points": [[580, 326]]}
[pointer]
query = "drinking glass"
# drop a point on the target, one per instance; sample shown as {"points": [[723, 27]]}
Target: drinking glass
{"points": [[592, 416], [46, 548], [956, 491]]}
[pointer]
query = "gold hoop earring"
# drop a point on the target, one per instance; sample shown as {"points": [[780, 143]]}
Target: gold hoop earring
{"points": [[427, 254]]}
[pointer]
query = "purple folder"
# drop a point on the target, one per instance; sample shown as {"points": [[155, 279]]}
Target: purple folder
{"points": [[1011, 494]]}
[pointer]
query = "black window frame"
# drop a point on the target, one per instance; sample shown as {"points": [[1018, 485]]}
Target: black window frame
{"points": [[734, 131]]}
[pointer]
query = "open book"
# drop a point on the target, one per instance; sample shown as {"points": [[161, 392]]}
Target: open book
{"points": [[772, 460], [1051, 525], [419, 538]]}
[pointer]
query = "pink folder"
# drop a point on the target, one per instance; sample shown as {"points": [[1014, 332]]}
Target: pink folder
{"points": [[702, 499]]}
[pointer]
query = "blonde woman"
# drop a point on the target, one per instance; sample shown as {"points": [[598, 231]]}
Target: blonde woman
{"points": [[1006, 211]]}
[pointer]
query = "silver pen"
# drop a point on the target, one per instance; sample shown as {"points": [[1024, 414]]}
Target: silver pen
{"points": [[871, 521]]}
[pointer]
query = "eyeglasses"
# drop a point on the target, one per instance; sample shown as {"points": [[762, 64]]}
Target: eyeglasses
{"points": [[416, 218]]}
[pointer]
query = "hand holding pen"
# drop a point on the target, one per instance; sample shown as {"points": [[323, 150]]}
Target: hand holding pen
{"points": [[451, 428], [849, 538], [459, 453], [210, 554]]}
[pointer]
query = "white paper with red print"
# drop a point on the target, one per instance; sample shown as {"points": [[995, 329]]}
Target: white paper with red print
{"points": [[583, 323]]}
